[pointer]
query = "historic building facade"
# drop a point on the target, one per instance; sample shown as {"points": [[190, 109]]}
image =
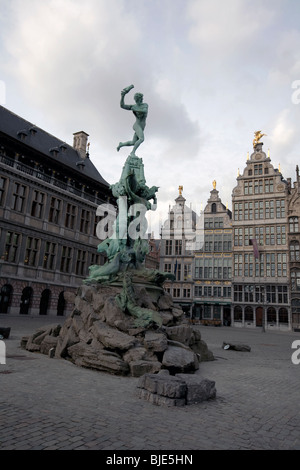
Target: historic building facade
{"points": [[293, 215], [261, 277], [178, 236], [213, 265], [49, 193]]}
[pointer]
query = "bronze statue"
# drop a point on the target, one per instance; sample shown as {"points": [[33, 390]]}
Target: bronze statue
{"points": [[140, 110]]}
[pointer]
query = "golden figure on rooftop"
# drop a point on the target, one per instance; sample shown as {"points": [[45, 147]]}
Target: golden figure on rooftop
{"points": [[258, 135], [180, 190], [214, 184]]}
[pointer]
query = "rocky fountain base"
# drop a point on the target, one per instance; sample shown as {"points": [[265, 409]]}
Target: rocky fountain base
{"points": [[100, 335]]}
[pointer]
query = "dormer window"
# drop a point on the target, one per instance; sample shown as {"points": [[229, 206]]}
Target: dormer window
{"points": [[80, 164], [22, 134], [33, 130], [54, 151]]}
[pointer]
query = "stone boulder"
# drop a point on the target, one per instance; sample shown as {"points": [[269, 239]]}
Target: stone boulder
{"points": [[177, 359], [178, 390], [198, 388], [100, 335]]}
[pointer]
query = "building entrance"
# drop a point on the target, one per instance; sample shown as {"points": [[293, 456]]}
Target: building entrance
{"points": [[259, 316]]}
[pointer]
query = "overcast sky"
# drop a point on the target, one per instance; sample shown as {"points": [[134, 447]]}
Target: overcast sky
{"points": [[211, 71]]}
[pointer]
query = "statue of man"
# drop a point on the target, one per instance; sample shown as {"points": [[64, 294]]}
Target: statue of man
{"points": [[140, 110]]}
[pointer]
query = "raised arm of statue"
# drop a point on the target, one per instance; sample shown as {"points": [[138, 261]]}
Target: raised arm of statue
{"points": [[123, 93], [140, 111]]}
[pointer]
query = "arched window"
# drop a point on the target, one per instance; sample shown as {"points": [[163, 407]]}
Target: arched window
{"points": [[44, 302], [214, 207], [26, 300], [248, 314], [238, 313], [5, 297], [271, 315], [61, 304], [283, 315]]}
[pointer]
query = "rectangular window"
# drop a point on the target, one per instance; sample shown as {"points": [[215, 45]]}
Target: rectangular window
{"points": [[187, 272], [55, 210], [80, 263], [71, 212], [18, 197], [218, 222], [269, 185], [238, 293], [208, 270], [66, 259], [3, 186], [280, 208], [176, 292], [238, 211], [177, 271], [167, 267], [280, 232], [197, 267], [96, 259], [270, 264], [85, 219], [249, 293], [37, 205], [227, 292], [217, 292], [271, 294], [248, 188], [198, 291], [218, 243], [238, 265], [258, 169], [269, 209], [227, 266], [207, 291], [32, 250], [168, 247], [248, 235], [248, 211], [49, 256], [282, 295], [187, 293], [209, 223], [178, 247], [208, 243], [12, 244], [259, 235], [238, 237], [227, 242], [281, 264]]}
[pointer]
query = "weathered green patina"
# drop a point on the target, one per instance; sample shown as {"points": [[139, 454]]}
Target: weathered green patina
{"points": [[128, 246]]}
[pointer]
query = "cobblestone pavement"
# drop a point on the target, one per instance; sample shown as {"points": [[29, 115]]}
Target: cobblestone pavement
{"points": [[52, 404]]}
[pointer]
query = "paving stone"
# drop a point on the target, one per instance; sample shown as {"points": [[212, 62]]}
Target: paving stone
{"points": [[52, 404]]}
